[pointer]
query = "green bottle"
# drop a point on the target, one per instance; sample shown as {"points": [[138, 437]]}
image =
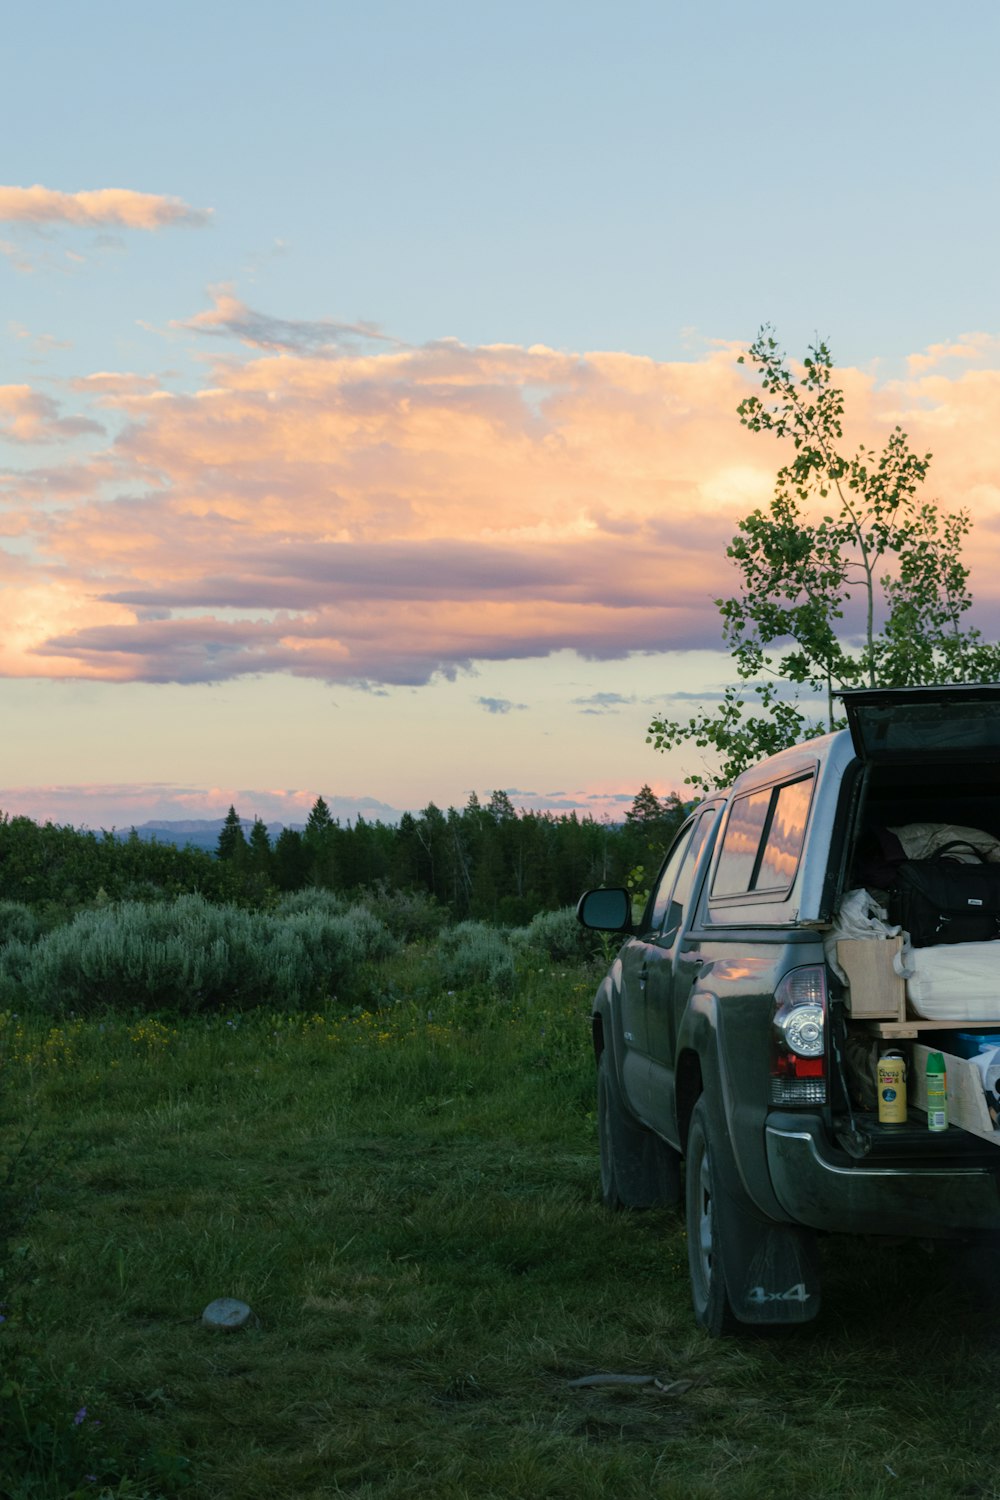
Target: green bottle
{"points": [[937, 1092]]}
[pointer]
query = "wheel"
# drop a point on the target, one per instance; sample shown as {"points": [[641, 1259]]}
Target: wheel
{"points": [[705, 1211], [638, 1170]]}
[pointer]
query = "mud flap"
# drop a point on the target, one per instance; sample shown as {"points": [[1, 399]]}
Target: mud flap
{"points": [[771, 1270]]}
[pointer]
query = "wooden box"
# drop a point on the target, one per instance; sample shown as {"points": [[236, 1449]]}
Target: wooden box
{"points": [[877, 992], [966, 1098]]}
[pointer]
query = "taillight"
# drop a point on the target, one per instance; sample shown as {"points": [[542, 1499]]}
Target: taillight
{"points": [[798, 1038]]}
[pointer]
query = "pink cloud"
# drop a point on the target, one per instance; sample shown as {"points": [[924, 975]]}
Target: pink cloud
{"points": [[120, 804], [27, 416], [123, 804], [381, 515], [118, 207], [115, 383]]}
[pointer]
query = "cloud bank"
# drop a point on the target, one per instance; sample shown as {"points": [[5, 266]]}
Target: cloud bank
{"points": [[123, 804], [331, 504]]}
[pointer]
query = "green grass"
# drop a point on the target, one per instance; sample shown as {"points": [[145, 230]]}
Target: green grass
{"points": [[408, 1203]]}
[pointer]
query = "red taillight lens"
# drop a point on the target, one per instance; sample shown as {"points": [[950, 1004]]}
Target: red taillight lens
{"points": [[798, 1038]]}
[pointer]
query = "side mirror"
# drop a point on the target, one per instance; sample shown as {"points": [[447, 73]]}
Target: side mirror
{"points": [[607, 910]]}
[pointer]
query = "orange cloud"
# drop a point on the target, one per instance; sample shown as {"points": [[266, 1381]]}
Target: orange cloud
{"points": [[970, 347], [104, 207], [27, 416], [374, 514]]}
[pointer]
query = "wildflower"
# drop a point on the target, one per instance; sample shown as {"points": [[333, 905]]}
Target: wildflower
{"points": [[81, 1416]]}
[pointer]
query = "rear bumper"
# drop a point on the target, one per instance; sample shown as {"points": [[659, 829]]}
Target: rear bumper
{"points": [[822, 1192]]}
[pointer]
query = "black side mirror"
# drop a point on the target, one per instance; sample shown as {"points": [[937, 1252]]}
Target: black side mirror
{"points": [[606, 910]]}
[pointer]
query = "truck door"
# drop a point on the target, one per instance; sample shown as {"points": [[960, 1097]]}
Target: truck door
{"points": [[640, 956], [671, 970]]}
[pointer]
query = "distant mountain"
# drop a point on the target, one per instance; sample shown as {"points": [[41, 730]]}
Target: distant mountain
{"points": [[203, 833], [200, 833], [204, 826]]}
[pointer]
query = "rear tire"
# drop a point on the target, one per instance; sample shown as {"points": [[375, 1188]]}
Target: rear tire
{"points": [[706, 1216], [638, 1169]]}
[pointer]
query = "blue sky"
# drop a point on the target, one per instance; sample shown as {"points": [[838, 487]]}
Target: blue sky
{"points": [[651, 181], [590, 176]]}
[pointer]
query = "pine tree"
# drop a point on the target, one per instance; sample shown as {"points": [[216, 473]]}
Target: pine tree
{"points": [[232, 839], [290, 860], [319, 821], [320, 841], [260, 848], [646, 806]]}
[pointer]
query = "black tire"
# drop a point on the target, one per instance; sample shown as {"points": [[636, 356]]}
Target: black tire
{"points": [[706, 1215], [638, 1170]]}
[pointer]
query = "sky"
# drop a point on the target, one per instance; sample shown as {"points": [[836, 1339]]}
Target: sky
{"points": [[368, 405]]}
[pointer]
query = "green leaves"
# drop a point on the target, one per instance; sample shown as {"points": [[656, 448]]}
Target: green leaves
{"points": [[867, 589], [751, 722]]}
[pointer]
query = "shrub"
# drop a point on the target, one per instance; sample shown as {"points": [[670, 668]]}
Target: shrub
{"points": [[413, 916], [475, 955], [189, 955], [313, 898], [336, 946], [555, 935], [16, 960], [18, 923]]}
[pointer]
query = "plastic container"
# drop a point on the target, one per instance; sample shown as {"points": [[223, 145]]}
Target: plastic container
{"points": [[971, 1043], [937, 1092]]}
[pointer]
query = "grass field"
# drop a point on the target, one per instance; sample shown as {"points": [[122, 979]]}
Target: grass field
{"points": [[408, 1202]]}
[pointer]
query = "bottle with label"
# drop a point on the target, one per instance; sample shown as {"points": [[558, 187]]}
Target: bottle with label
{"points": [[937, 1092]]}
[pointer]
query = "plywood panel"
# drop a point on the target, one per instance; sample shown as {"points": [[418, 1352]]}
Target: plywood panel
{"points": [[876, 991]]}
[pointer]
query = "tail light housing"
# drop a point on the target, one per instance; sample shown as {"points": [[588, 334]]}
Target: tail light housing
{"points": [[798, 1038]]}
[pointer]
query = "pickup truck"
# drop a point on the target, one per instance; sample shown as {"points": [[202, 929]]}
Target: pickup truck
{"points": [[722, 1032]]}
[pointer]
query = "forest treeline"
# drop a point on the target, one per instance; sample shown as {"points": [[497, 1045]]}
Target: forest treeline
{"points": [[487, 861]]}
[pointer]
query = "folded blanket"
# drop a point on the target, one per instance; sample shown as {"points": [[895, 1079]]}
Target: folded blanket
{"points": [[953, 981]]}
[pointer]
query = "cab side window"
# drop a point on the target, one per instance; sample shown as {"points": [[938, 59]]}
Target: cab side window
{"points": [[659, 900], [763, 840], [681, 895], [673, 889]]}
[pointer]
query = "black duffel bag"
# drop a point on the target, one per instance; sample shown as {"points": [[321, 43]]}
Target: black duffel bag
{"points": [[941, 901]]}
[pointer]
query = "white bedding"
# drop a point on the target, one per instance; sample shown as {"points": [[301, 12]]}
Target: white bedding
{"points": [[953, 981]]}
